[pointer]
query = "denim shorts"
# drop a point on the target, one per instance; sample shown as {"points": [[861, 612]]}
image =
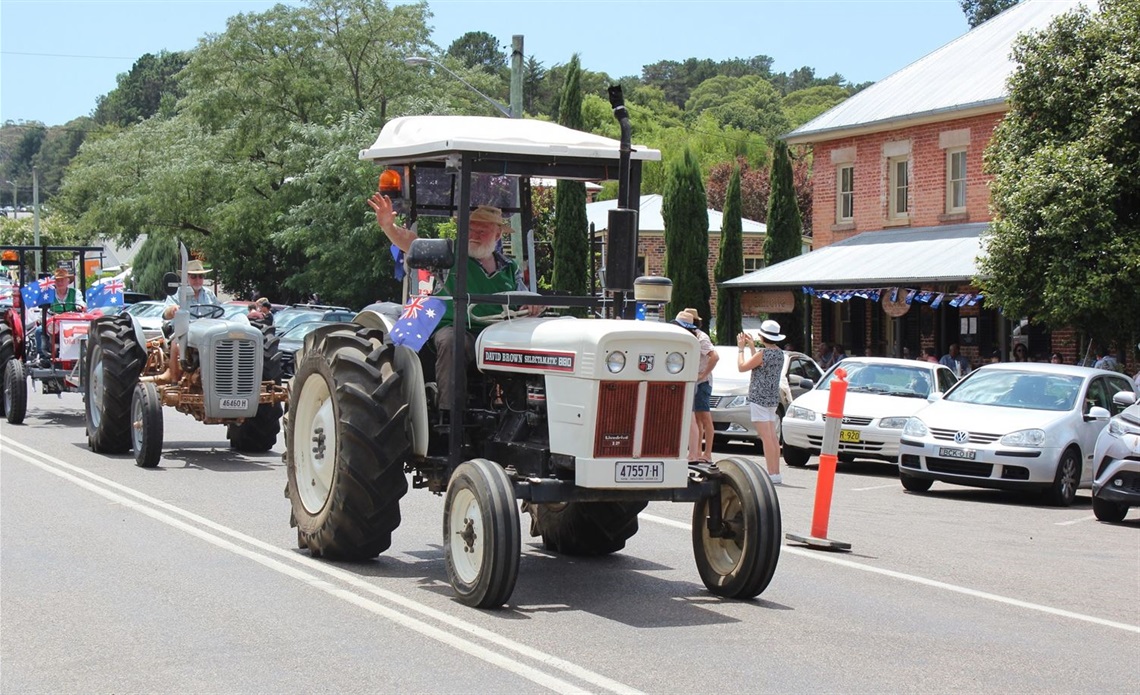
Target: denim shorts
{"points": [[701, 401]]}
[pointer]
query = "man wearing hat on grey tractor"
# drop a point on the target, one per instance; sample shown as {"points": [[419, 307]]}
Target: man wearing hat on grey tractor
{"points": [[488, 271], [766, 365], [196, 273]]}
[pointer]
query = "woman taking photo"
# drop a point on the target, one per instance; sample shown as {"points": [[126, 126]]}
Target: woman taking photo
{"points": [[766, 365]]}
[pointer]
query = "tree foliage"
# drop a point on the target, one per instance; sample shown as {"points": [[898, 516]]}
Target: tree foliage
{"points": [[756, 187], [479, 50], [685, 212], [1062, 249], [978, 11], [729, 264], [571, 235], [149, 88], [785, 228]]}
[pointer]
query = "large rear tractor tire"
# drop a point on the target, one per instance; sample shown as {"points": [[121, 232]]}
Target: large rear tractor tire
{"points": [[146, 425], [259, 433], [741, 563], [346, 442], [481, 536], [7, 351], [115, 359], [585, 528], [15, 392]]}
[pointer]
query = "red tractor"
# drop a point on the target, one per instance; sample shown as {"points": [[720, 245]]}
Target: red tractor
{"points": [[64, 337]]}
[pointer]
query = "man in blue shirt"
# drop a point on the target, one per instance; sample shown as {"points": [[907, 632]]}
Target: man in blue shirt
{"points": [[955, 361]]}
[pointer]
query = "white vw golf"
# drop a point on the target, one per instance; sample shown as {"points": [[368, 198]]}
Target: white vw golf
{"points": [[1016, 425]]}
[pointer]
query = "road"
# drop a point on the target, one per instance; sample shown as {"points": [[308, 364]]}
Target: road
{"points": [[186, 578]]}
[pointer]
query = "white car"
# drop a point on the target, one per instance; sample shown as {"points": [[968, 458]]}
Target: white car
{"points": [[882, 393], [1116, 486], [149, 314], [1015, 425]]}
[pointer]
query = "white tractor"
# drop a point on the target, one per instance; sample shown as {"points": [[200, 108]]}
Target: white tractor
{"points": [[583, 420]]}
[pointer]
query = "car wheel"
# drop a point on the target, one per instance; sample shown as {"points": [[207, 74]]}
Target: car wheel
{"points": [[1064, 488], [794, 456], [913, 484], [1109, 511]]}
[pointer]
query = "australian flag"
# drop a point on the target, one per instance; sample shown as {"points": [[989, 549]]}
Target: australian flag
{"points": [[421, 315], [109, 293], [37, 292]]}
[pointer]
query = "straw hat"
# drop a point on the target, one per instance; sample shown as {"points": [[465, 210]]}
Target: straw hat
{"points": [[770, 331], [61, 274], [685, 319], [195, 267], [696, 316], [489, 215]]}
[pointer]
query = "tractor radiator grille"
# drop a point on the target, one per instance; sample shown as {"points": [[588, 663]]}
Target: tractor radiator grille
{"points": [[617, 416], [664, 411], [664, 415], [235, 369]]}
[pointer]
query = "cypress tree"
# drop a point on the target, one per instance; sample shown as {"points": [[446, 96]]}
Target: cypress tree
{"points": [[785, 231], [685, 211], [730, 263], [571, 233]]}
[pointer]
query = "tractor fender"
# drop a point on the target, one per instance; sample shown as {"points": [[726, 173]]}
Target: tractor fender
{"points": [[137, 327]]}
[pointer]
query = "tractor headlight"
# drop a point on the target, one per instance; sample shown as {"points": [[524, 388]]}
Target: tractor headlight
{"points": [[615, 362], [674, 363], [1024, 438]]}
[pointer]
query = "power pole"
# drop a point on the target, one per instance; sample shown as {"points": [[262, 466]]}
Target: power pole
{"points": [[517, 112]]}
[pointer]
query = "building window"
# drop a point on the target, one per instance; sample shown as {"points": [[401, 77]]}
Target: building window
{"points": [[845, 198], [752, 263], [956, 181], [899, 187]]}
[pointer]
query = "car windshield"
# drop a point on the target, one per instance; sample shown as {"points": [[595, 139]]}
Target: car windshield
{"points": [[1018, 390], [287, 318], [888, 379], [146, 309], [300, 330]]}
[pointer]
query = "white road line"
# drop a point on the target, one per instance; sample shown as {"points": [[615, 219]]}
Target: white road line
{"points": [[491, 657], [825, 557], [876, 487], [1076, 521]]}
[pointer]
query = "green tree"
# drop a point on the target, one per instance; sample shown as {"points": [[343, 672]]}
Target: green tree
{"points": [[156, 257], [685, 211], [479, 50], [785, 229], [978, 11], [1062, 249], [801, 106], [149, 88], [729, 264], [571, 235]]}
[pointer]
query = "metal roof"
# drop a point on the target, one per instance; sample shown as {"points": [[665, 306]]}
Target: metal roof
{"points": [[968, 73], [880, 258], [422, 137], [650, 219]]}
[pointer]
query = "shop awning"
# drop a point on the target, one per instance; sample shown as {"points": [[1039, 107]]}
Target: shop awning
{"points": [[880, 258]]}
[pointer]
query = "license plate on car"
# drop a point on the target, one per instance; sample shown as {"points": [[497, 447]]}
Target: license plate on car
{"points": [[850, 436], [235, 403], [952, 453], [639, 472]]}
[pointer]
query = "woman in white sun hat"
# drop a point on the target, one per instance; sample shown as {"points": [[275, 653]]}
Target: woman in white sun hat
{"points": [[766, 365]]}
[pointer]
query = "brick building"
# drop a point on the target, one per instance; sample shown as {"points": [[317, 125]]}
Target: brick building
{"points": [[901, 205]]}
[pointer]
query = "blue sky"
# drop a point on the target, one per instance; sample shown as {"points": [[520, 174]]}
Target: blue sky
{"points": [[58, 56]]}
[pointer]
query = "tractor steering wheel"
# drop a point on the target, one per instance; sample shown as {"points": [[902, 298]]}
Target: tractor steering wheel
{"points": [[206, 311]]}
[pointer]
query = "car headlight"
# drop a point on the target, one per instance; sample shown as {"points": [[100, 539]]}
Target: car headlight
{"points": [[615, 362], [915, 428], [737, 402], [1024, 438], [893, 423], [800, 413], [674, 363], [1117, 427]]}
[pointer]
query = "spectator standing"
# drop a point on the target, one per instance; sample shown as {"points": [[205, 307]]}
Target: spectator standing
{"points": [[1056, 358], [766, 365], [265, 309], [956, 361], [929, 355], [826, 356], [1104, 360], [1020, 353], [701, 431], [837, 353]]}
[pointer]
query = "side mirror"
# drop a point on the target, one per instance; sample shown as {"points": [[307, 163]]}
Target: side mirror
{"points": [[431, 254], [1097, 413], [806, 384], [1124, 398]]}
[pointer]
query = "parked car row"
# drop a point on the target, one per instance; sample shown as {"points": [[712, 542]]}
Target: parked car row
{"points": [[1046, 428]]}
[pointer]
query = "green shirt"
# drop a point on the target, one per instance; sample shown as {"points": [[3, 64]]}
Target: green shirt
{"points": [[69, 302], [506, 278]]}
